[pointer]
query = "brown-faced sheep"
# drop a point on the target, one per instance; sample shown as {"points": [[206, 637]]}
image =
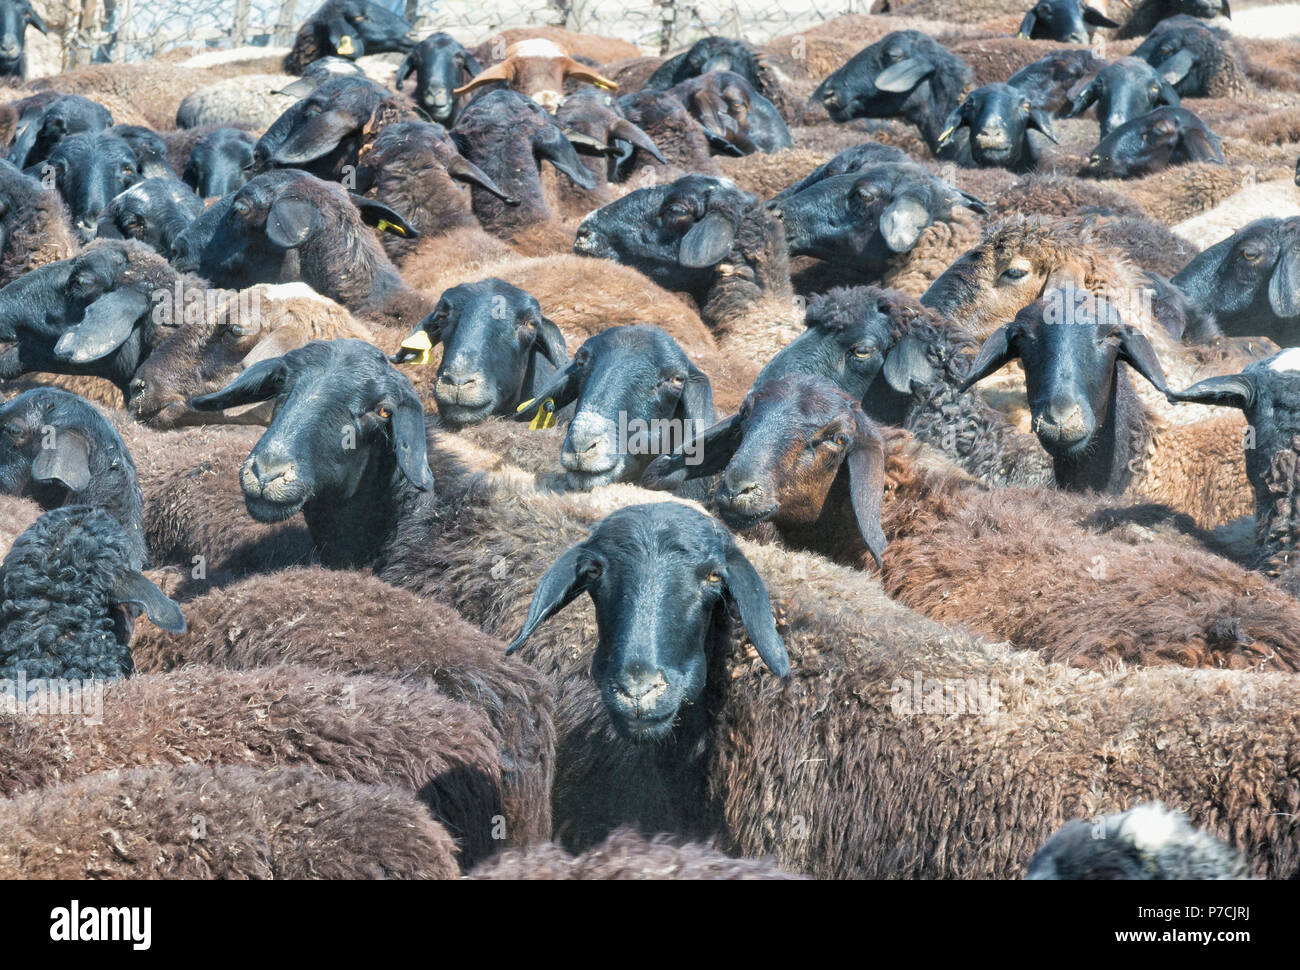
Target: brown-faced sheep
{"points": [[626, 854], [538, 69], [593, 47], [200, 822], [352, 623], [867, 760], [369, 730]]}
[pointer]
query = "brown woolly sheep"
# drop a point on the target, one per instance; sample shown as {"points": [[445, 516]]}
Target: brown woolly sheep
{"points": [[538, 69], [592, 47], [844, 769], [147, 94], [352, 623], [369, 730], [626, 854], [34, 225], [680, 138], [200, 822], [264, 321]]}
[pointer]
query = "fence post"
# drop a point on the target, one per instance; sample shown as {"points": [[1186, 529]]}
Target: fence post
{"points": [[285, 27], [412, 11], [667, 25], [240, 34]]}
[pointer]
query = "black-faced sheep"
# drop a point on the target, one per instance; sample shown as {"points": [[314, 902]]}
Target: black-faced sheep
{"points": [[1122, 91], [90, 170], [154, 212], [1198, 61], [1152, 142], [996, 120], [732, 112], [46, 118], [200, 822], [441, 65], [15, 17], [1067, 21], [216, 164], [1147, 842], [347, 28]]}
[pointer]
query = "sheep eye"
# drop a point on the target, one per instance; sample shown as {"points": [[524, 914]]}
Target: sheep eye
{"points": [[863, 351], [1014, 274], [1250, 255], [528, 322], [241, 208], [894, 55], [677, 380], [592, 570], [713, 577], [384, 411], [839, 441]]}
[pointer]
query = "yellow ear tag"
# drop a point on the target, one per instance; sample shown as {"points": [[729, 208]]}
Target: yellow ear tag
{"points": [[345, 45], [419, 341], [545, 416], [386, 226], [947, 134]]}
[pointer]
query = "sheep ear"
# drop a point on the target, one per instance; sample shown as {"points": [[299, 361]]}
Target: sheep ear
{"points": [[720, 144], [505, 71], [707, 242], [291, 222], [996, 352], [277, 343], [549, 342], [582, 72], [714, 449], [1027, 25], [549, 143], [1200, 148], [867, 485], [906, 362], [104, 327], [463, 170], [469, 64], [905, 75], [1095, 18], [1168, 95], [1177, 67], [404, 70], [1084, 100], [557, 395], [972, 203], [1038, 119], [410, 442], [697, 398], [559, 587], [136, 589], [260, 382], [902, 223], [630, 133], [383, 218], [746, 588], [35, 20], [1284, 285], [1137, 352], [1230, 391], [299, 88], [315, 139], [955, 120], [67, 462]]}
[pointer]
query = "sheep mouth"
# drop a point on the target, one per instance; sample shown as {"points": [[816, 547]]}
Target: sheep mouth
{"points": [[643, 728], [266, 510], [738, 518], [457, 414], [584, 481], [1062, 442]]}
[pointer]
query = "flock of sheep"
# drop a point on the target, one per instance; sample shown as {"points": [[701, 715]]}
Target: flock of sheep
{"points": [[909, 397]]}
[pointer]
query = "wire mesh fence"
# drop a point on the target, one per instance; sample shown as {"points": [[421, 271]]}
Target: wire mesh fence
{"points": [[96, 31]]}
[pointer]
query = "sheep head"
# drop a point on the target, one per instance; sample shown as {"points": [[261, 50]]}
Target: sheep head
{"points": [[1124, 90], [441, 64], [661, 578], [1067, 21], [537, 69], [998, 119], [737, 118], [1153, 142]]}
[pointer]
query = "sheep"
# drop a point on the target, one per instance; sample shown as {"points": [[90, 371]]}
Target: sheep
{"points": [[1152, 142], [215, 165], [594, 48], [34, 225], [880, 81], [704, 237], [537, 68], [1088, 418], [843, 751], [996, 120], [154, 211], [361, 729], [1067, 21], [625, 854], [318, 72], [263, 321], [849, 161], [147, 94], [1146, 842], [15, 17], [149, 149], [325, 132], [348, 28], [1122, 91], [230, 822], [1022, 256], [1150, 16], [592, 114], [685, 144], [343, 622], [1265, 391], [286, 213], [45, 119], [98, 313], [1198, 61], [16, 516], [254, 99], [732, 111], [71, 585], [871, 222], [440, 64], [906, 365], [507, 136], [721, 54], [500, 350], [90, 171], [803, 456], [1050, 82], [634, 393], [58, 450], [1250, 282]]}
